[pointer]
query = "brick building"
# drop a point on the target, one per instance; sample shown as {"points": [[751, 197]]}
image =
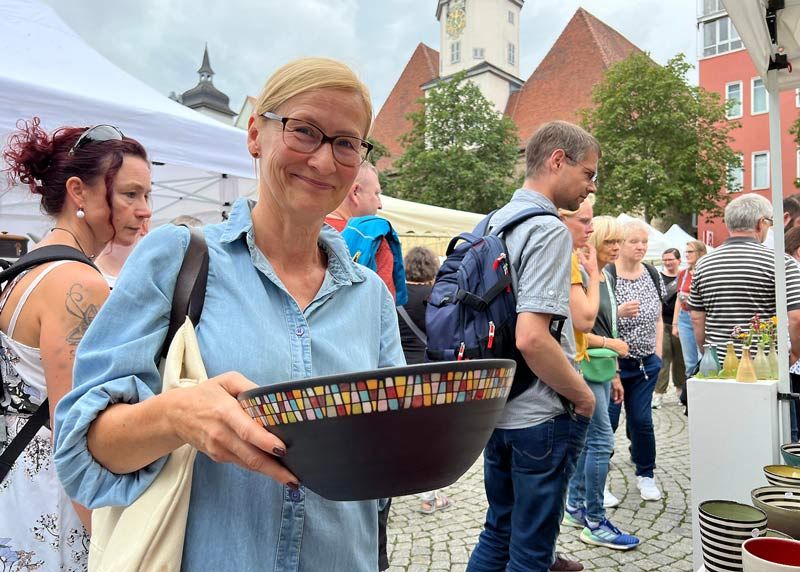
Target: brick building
{"points": [[726, 68], [481, 38]]}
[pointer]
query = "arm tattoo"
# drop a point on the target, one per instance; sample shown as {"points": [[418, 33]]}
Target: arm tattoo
{"points": [[76, 306]]}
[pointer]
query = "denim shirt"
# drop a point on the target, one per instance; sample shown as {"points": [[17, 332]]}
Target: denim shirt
{"points": [[238, 520]]}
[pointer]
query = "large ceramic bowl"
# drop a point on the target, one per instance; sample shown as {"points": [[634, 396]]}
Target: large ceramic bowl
{"points": [[387, 432], [791, 454], [724, 526], [771, 555], [782, 475], [782, 505]]}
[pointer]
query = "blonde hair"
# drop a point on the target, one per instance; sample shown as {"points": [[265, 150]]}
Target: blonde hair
{"points": [[605, 228], [701, 249], [309, 74], [566, 213]]}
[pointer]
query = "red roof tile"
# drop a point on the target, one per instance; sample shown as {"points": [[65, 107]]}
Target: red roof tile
{"points": [[563, 82], [391, 121]]}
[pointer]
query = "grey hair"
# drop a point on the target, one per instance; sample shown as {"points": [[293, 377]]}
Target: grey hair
{"points": [[632, 226], [366, 166], [573, 140], [743, 213]]}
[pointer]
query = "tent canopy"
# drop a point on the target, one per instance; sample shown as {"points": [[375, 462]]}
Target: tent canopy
{"points": [[49, 72], [750, 19]]}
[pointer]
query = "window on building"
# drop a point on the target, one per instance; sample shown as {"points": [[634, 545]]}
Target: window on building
{"points": [[758, 93], [477, 53], [510, 17], [455, 52], [797, 165], [760, 170], [736, 176], [733, 97], [709, 7], [719, 36], [797, 97], [512, 55]]}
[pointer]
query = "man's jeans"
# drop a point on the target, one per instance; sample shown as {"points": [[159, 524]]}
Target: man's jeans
{"points": [[587, 484], [638, 376], [691, 353], [526, 472]]}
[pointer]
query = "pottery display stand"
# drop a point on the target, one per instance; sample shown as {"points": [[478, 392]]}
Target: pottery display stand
{"points": [[733, 433]]}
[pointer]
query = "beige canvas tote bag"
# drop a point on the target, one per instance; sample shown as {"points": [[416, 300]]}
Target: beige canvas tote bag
{"points": [[148, 534]]}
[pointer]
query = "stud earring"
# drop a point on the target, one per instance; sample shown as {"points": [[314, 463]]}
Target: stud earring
{"points": [[80, 213]]}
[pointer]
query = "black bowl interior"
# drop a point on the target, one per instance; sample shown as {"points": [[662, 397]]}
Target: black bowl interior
{"points": [[393, 452]]}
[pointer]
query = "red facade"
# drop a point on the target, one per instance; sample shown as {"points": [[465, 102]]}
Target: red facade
{"points": [[752, 138]]}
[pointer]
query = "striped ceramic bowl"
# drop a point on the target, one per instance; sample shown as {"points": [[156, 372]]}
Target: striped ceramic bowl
{"points": [[782, 475], [791, 454], [724, 526], [782, 505]]}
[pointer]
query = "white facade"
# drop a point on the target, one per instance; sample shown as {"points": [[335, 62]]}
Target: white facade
{"points": [[475, 32]]}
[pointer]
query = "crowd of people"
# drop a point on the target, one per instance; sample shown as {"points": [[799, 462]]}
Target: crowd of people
{"points": [[290, 272]]}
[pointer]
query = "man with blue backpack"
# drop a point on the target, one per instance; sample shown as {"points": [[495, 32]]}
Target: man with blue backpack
{"points": [[534, 448]]}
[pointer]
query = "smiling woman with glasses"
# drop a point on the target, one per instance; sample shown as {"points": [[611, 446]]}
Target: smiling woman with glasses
{"points": [[83, 177], [284, 301]]}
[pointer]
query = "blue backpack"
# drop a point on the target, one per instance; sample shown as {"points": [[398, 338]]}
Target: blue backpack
{"points": [[472, 311], [363, 236]]}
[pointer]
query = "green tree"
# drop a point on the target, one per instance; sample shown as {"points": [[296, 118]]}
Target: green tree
{"points": [[665, 143], [795, 130], [460, 153]]}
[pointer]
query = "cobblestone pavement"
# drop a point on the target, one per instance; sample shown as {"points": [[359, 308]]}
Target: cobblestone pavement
{"points": [[444, 540]]}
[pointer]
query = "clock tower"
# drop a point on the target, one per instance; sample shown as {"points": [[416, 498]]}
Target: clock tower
{"points": [[481, 37]]}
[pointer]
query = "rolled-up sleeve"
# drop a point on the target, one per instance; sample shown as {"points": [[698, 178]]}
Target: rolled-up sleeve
{"points": [[115, 363], [541, 254]]}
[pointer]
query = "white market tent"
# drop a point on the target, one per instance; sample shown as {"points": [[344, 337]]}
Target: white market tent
{"points": [[678, 237], [46, 70]]}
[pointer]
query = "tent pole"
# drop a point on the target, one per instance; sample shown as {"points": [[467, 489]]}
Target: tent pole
{"points": [[775, 156]]}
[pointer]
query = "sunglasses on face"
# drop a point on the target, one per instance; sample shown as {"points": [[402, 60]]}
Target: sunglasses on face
{"points": [[96, 134]]}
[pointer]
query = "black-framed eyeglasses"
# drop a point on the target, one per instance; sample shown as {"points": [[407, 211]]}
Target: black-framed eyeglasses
{"points": [[305, 137], [768, 219], [592, 174], [96, 134]]}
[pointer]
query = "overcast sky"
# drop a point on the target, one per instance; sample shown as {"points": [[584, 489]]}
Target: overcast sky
{"points": [[161, 41]]}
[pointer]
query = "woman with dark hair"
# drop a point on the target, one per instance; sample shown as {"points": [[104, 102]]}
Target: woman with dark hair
{"points": [[792, 248], [95, 184], [672, 355]]}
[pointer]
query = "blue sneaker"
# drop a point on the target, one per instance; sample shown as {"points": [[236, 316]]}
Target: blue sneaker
{"points": [[608, 535], [576, 518]]}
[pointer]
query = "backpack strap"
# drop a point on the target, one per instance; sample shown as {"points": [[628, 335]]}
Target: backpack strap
{"points": [[411, 325], [651, 270], [40, 417], [484, 227], [190, 287]]}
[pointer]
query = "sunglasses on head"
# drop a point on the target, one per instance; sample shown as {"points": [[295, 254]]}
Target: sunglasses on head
{"points": [[96, 134]]}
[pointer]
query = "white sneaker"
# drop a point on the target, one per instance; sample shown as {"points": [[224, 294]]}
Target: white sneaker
{"points": [[648, 489], [657, 400], [609, 500]]}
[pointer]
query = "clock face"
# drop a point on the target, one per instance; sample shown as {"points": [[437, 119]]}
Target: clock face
{"points": [[456, 19]]}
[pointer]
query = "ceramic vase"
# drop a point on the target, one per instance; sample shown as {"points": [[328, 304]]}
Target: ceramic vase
{"points": [[761, 364], [773, 361], [746, 372], [709, 366], [731, 363]]}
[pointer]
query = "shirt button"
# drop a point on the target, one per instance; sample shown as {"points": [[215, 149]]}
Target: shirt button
{"points": [[295, 495], [300, 331]]}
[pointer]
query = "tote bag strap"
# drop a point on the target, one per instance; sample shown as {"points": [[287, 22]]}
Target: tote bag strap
{"points": [[612, 297]]}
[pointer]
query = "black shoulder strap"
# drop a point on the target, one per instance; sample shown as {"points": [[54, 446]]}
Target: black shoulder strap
{"points": [[190, 287], [411, 325], [520, 217], [43, 255], [36, 421], [651, 270]]}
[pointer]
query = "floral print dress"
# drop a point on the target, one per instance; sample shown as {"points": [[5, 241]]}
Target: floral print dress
{"points": [[39, 528]]}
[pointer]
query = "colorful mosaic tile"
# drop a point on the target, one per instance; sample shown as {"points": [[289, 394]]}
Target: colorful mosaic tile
{"points": [[379, 395]]}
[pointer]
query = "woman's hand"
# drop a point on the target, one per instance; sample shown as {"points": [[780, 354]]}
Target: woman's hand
{"points": [[210, 419], [587, 256], [675, 330], [628, 309], [619, 346], [617, 391]]}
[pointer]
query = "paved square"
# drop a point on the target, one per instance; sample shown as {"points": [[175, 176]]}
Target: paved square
{"points": [[444, 540]]}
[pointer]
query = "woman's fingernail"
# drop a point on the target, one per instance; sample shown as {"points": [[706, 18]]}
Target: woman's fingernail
{"points": [[293, 485], [279, 451]]}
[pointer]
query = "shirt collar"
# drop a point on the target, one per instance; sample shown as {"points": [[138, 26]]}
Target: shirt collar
{"points": [[740, 240], [340, 264], [534, 198]]}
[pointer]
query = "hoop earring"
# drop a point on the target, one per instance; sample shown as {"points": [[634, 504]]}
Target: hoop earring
{"points": [[80, 214]]}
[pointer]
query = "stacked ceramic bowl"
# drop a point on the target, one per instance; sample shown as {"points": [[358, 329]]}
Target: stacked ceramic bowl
{"points": [[782, 475], [791, 454], [724, 526], [782, 506], [771, 555]]}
